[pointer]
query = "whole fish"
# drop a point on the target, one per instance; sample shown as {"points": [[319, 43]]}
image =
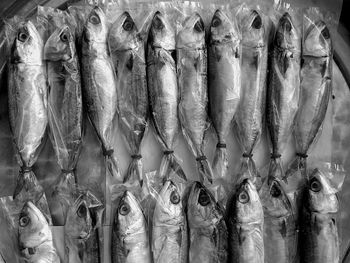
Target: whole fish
{"points": [[245, 222], [316, 85], [191, 53], [65, 108], [283, 89], [319, 234], [280, 223], [130, 242], [27, 98], [35, 237], [82, 238], [224, 80], [163, 90], [169, 231], [128, 54], [207, 227], [99, 83]]}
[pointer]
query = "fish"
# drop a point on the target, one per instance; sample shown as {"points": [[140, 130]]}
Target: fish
{"points": [[249, 118], [191, 54], [284, 84], [224, 82], [130, 241], [128, 54], [163, 91], [316, 84], [208, 233], [280, 222], [245, 224], [27, 101], [99, 84], [169, 229], [65, 107], [35, 236], [82, 237], [319, 232]]}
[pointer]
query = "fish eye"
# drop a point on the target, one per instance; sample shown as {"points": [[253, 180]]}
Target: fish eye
{"points": [[257, 22], [24, 221], [243, 197], [94, 19], [216, 22], [203, 198], [325, 33], [174, 197], [199, 26], [128, 25], [315, 185], [22, 36], [64, 37], [287, 26], [124, 209], [82, 211], [157, 23], [275, 191]]}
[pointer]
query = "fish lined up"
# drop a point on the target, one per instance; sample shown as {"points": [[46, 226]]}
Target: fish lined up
{"points": [[128, 54], [35, 236], [224, 82], [163, 91], [130, 241]]}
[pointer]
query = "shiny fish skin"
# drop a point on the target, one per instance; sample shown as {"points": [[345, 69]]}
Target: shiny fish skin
{"points": [[130, 242], [169, 231], [280, 223], [316, 86], [251, 110], [191, 56], [128, 54], [207, 227], [99, 86], [319, 234], [245, 222], [224, 78], [27, 93], [284, 84], [35, 237]]}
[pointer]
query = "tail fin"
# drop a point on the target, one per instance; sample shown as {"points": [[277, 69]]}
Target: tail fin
{"points": [[220, 163]]}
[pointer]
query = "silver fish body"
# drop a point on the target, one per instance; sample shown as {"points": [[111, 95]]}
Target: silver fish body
{"points": [[169, 230], [280, 223], [128, 54], [130, 242], [35, 236], [284, 85], [207, 228], [319, 233], [250, 113], [316, 86], [224, 78], [246, 222]]}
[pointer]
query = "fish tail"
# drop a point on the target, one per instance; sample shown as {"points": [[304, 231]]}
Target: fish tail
{"points": [[276, 168], [205, 170], [220, 162], [248, 171], [134, 170], [112, 166], [170, 166]]}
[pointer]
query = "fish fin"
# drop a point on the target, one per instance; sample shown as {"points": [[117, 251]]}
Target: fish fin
{"points": [[130, 62], [283, 229], [218, 55]]}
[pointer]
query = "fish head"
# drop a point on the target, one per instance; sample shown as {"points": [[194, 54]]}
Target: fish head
{"points": [[317, 40], [124, 34], [161, 34], [275, 200], [287, 35], [253, 29], [321, 197], [129, 216], [247, 203], [95, 29], [203, 209], [33, 228], [192, 34], [28, 45], [60, 45], [222, 30], [79, 221], [169, 208]]}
